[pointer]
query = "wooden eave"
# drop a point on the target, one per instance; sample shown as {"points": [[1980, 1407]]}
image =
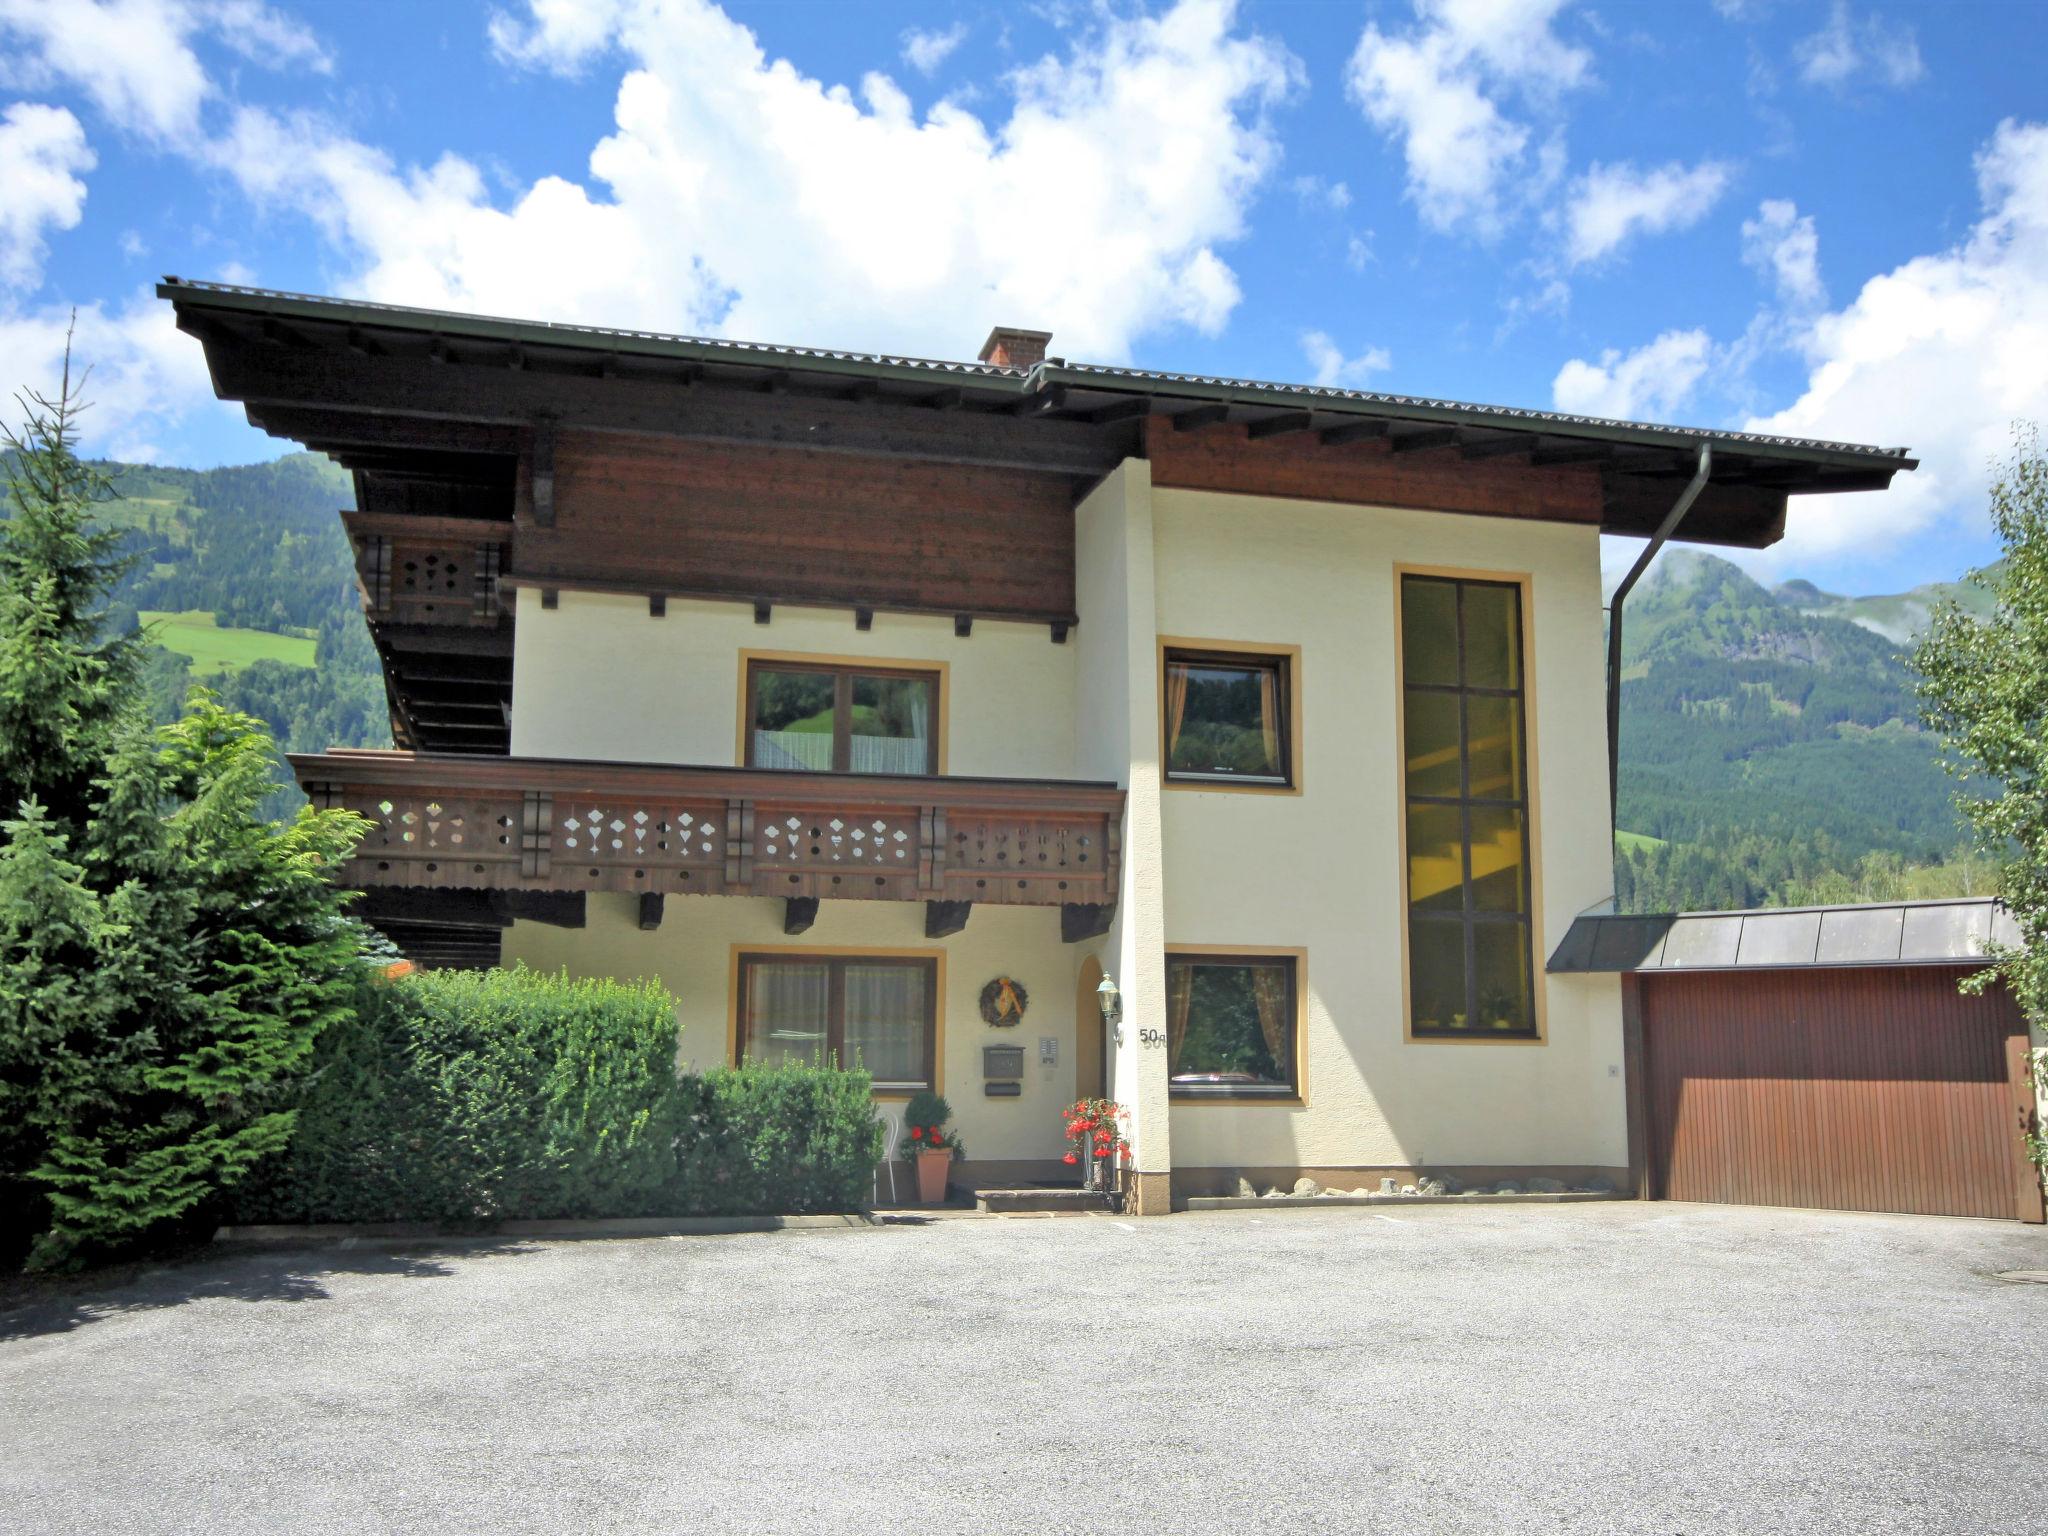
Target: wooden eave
{"points": [[305, 365]]}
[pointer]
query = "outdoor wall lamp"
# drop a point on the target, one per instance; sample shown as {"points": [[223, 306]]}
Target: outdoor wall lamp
{"points": [[1110, 1001]]}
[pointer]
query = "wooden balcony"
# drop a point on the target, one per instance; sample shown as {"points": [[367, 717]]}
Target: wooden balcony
{"points": [[460, 822]]}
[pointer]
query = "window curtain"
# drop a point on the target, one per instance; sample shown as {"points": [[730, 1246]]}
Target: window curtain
{"points": [[885, 1012], [1269, 994], [1269, 717], [920, 719], [1180, 994], [787, 1012], [1176, 705]]}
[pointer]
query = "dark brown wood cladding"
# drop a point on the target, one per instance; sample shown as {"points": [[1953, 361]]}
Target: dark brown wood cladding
{"points": [[660, 514], [1874, 1089], [1299, 466]]}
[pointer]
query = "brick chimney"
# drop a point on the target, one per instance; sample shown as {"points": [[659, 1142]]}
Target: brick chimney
{"points": [[1008, 347]]}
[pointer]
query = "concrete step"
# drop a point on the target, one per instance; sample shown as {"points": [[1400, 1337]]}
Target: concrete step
{"points": [[1022, 1201]]}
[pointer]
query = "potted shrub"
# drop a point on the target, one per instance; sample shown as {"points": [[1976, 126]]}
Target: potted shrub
{"points": [[1095, 1129], [928, 1144]]}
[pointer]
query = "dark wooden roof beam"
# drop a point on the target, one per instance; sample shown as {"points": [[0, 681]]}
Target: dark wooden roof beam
{"points": [[1050, 399], [1425, 441], [1286, 421], [1123, 410], [340, 380], [1508, 445], [1573, 453], [1353, 432], [1201, 416]]}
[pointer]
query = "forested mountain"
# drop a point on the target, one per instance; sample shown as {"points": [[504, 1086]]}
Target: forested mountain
{"points": [[1770, 745], [259, 547]]}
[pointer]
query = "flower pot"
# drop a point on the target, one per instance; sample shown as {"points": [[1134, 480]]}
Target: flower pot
{"points": [[932, 1171]]}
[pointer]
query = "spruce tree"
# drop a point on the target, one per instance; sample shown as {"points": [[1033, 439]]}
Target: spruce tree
{"points": [[167, 957], [65, 680]]}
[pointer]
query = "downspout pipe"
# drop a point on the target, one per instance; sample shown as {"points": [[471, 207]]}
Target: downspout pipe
{"points": [[1664, 531]]}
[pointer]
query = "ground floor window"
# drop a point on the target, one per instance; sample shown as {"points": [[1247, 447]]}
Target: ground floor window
{"points": [[879, 1012], [1231, 1026]]}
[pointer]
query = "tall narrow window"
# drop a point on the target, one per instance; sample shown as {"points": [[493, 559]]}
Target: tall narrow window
{"points": [[1227, 719], [1469, 949], [835, 719], [879, 1012]]}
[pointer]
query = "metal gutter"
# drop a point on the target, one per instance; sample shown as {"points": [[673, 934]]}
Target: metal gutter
{"points": [[1664, 531]]}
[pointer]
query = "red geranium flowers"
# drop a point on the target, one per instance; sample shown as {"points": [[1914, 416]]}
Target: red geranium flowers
{"points": [[1094, 1127]]}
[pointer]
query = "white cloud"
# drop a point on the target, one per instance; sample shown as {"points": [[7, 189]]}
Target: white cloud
{"points": [[264, 36], [1942, 354], [1652, 382], [1336, 371], [1610, 204], [1315, 192], [42, 156], [736, 194], [563, 36], [926, 51], [1437, 88], [1848, 47], [147, 380], [1784, 248], [134, 59]]}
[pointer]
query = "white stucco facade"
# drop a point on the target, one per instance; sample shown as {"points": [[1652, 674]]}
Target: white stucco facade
{"points": [[1320, 871]]}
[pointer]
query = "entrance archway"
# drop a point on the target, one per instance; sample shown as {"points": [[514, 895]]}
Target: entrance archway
{"points": [[1090, 1060]]}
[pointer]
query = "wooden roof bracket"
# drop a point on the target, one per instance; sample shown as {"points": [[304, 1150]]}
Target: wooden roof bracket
{"points": [[1665, 529]]}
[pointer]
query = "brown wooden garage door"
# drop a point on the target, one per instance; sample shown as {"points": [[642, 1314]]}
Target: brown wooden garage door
{"points": [[1875, 1089]]}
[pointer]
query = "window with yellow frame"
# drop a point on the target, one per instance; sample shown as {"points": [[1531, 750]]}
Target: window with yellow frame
{"points": [[1466, 794]]}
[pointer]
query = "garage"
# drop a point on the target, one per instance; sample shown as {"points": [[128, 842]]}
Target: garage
{"points": [[1820, 1057]]}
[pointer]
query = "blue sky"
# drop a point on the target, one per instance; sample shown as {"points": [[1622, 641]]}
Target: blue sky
{"points": [[1821, 219]]}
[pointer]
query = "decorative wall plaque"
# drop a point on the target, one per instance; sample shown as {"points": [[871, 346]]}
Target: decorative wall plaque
{"points": [[1003, 1002]]}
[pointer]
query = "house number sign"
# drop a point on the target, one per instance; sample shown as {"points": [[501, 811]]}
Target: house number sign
{"points": [[1003, 1002]]}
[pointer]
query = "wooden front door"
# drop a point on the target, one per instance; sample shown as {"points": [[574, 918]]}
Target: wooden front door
{"points": [[1874, 1089]]}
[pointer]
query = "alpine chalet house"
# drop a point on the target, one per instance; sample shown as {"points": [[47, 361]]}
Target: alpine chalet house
{"points": [[1022, 728]]}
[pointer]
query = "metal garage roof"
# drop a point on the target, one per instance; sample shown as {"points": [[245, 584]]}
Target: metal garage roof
{"points": [[1953, 931]]}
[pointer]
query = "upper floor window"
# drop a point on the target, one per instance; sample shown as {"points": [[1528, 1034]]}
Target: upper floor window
{"points": [[842, 718], [1229, 717], [878, 1012], [1467, 795]]}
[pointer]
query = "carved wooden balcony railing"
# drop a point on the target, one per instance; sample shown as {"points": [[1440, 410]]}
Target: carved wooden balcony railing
{"points": [[439, 571], [449, 821]]}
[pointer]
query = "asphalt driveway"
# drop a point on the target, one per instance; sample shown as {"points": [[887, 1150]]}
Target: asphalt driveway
{"points": [[1574, 1368]]}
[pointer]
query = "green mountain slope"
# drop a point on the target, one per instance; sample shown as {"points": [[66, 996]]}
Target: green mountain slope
{"points": [[1897, 616], [1769, 738], [259, 548]]}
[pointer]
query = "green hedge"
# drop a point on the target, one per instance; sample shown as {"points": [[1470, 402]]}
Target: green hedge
{"points": [[461, 1097]]}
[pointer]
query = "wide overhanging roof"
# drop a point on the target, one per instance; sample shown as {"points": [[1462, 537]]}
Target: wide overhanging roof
{"points": [[1053, 391], [1948, 932]]}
